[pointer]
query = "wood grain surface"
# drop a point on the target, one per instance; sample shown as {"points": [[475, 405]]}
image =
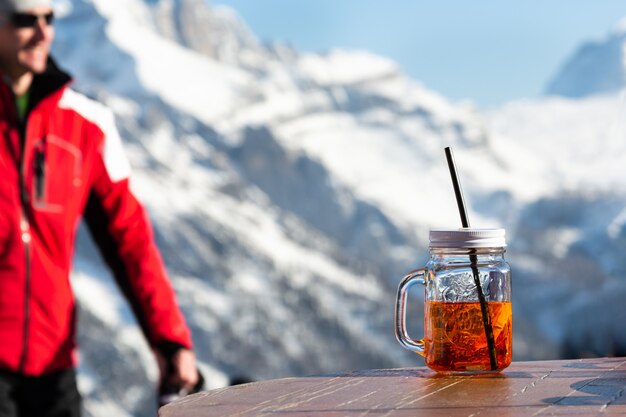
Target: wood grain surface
{"points": [[590, 387]]}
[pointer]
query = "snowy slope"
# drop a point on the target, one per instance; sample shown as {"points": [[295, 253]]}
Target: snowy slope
{"points": [[290, 191], [570, 239]]}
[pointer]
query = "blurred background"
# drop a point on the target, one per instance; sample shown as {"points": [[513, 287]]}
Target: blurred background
{"points": [[291, 158]]}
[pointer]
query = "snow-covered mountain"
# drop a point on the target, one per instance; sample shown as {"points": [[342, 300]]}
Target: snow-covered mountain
{"points": [[290, 192], [598, 66]]}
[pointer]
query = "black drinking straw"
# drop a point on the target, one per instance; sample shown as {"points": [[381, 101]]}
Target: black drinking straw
{"points": [[473, 261]]}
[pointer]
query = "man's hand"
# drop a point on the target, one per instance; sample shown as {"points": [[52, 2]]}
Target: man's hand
{"points": [[181, 371]]}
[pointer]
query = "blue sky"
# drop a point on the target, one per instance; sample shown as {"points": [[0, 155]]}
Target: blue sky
{"points": [[486, 51]]}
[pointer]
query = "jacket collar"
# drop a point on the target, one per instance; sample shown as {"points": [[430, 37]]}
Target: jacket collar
{"points": [[47, 83], [44, 84]]}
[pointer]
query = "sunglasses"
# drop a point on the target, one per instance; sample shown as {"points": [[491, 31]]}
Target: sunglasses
{"points": [[28, 20]]}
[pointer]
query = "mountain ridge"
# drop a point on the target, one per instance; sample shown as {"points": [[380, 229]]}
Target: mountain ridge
{"points": [[596, 67]]}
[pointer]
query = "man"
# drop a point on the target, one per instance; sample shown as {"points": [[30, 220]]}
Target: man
{"points": [[61, 159]]}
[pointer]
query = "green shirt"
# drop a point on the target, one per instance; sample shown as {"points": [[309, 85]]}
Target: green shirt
{"points": [[21, 103]]}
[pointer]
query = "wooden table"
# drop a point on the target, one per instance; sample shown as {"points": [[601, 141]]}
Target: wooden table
{"points": [[590, 387]]}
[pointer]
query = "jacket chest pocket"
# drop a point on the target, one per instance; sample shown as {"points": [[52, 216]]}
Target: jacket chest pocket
{"points": [[56, 174]]}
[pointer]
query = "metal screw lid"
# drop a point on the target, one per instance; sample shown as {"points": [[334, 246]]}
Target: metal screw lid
{"points": [[467, 238]]}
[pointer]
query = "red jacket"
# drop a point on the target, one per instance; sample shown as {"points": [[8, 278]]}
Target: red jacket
{"points": [[64, 162]]}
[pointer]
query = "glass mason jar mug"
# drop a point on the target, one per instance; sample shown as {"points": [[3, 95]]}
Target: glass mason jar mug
{"points": [[467, 303]]}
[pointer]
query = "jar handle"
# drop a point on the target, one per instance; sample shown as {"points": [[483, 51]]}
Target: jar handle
{"points": [[410, 279]]}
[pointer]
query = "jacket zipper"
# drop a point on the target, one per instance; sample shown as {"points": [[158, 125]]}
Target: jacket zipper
{"points": [[26, 237]]}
